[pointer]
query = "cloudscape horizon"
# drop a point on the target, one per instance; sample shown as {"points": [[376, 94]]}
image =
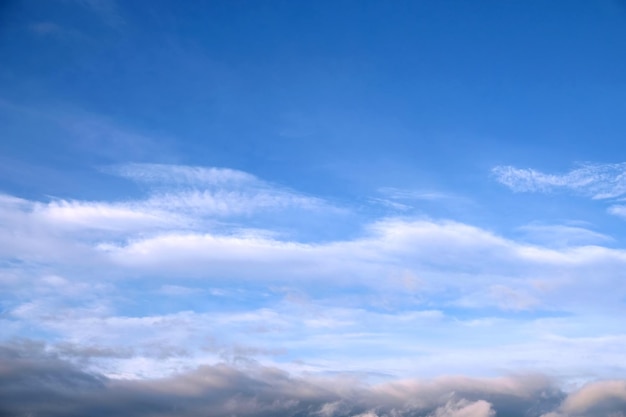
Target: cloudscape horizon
{"points": [[352, 208]]}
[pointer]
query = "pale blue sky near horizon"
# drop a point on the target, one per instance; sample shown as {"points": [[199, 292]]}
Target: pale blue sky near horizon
{"points": [[407, 188]]}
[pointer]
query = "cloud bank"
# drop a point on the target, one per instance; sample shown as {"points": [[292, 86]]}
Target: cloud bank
{"points": [[36, 383], [33, 382]]}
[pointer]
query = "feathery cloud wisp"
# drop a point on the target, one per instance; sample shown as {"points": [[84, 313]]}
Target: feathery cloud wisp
{"points": [[599, 181]]}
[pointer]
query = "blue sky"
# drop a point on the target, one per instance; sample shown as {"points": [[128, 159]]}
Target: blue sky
{"points": [[382, 191]]}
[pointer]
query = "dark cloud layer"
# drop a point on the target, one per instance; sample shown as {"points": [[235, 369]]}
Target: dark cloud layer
{"points": [[38, 384]]}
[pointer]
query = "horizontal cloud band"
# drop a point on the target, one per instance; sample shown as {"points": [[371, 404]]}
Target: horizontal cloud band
{"points": [[35, 383]]}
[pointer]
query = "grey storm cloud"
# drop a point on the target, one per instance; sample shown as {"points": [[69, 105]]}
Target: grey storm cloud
{"points": [[36, 383]]}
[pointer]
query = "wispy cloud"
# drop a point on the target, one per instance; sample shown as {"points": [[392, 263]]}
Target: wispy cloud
{"points": [[46, 28], [405, 199], [599, 181], [402, 194], [97, 135], [87, 133], [107, 10], [218, 191], [179, 198], [161, 174], [562, 235]]}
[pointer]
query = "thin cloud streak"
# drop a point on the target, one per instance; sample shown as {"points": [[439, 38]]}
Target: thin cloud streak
{"points": [[598, 181]]}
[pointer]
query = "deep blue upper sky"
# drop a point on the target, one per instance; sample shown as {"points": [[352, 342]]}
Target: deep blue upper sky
{"points": [[320, 94]]}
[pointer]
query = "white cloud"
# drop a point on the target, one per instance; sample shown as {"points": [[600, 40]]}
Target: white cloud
{"points": [[139, 238], [444, 255], [407, 273], [232, 202], [599, 181], [88, 215], [213, 191], [325, 335], [402, 194], [163, 174], [179, 290], [180, 198]]}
